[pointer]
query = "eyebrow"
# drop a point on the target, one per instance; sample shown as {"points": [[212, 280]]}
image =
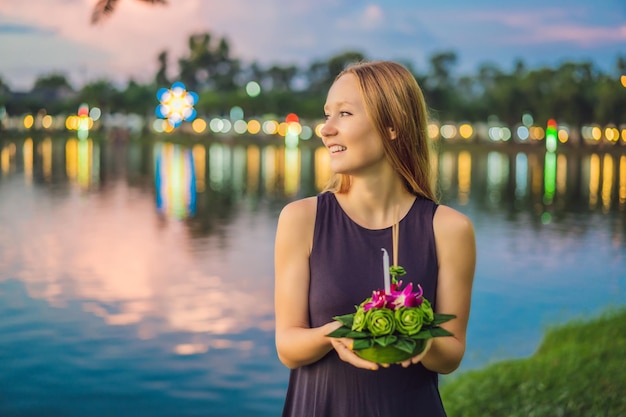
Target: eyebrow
{"points": [[339, 103]]}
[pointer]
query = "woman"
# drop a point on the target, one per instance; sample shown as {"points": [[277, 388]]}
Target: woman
{"points": [[328, 253]]}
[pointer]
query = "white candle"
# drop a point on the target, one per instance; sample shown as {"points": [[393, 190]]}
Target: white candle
{"points": [[386, 271]]}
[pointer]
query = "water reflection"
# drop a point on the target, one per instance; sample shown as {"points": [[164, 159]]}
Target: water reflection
{"points": [[183, 173], [199, 183], [175, 180]]}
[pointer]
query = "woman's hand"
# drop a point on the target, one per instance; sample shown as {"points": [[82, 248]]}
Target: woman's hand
{"points": [[343, 346], [417, 358]]}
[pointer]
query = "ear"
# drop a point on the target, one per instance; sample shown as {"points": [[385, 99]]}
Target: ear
{"points": [[392, 133]]}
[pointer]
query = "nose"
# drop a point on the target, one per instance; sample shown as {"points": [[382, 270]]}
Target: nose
{"points": [[328, 129]]}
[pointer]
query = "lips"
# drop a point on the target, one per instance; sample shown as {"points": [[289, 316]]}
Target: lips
{"points": [[336, 148]]}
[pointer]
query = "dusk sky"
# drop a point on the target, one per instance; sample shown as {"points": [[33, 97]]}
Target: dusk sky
{"points": [[41, 37]]}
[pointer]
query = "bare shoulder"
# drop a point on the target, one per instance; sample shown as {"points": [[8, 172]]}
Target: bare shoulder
{"points": [[449, 223], [297, 221], [302, 210]]}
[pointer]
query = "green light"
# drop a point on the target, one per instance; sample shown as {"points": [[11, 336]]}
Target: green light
{"points": [[549, 177]]}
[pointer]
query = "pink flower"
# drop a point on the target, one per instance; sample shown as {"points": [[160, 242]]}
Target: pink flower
{"points": [[380, 300], [407, 298]]}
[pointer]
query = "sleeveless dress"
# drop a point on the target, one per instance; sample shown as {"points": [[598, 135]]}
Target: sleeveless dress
{"points": [[345, 267]]}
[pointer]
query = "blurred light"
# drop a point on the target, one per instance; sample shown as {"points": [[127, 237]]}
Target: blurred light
{"points": [[563, 135], [270, 127], [306, 133], [176, 104], [318, 130], [83, 110], [611, 134], [551, 135], [254, 127], [623, 80], [448, 131], [624, 135], [240, 126], [294, 128], [216, 125], [522, 133], [236, 113], [433, 131], [157, 125], [495, 134], [198, 125], [466, 131], [282, 129], [29, 120], [527, 120], [537, 133], [226, 126], [292, 117], [253, 89], [46, 121], [95, 113], [596, 133]]}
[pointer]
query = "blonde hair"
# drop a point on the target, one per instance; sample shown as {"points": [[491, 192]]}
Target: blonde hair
{"points": [[393, 99]]}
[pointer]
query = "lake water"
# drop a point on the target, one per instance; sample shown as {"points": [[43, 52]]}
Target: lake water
{"points": [[136, 278]]}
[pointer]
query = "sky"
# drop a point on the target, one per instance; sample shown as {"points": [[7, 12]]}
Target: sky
{"points": [[44, 37]]}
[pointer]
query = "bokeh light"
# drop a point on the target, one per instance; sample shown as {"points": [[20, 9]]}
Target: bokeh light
{"points": [[253, 89], [176, 104]]}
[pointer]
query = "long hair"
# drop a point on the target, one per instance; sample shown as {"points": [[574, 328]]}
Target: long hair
{"points": [[393, 99]]}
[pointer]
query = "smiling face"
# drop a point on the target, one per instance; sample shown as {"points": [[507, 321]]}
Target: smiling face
{"points": [[354, 144]]}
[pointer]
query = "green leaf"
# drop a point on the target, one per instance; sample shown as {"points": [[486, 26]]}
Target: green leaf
{"points": [[362, 344], [385, 340], [423, 334], [346, 319], [439, 332], [441, 318], [340, 332], [406, 344]]}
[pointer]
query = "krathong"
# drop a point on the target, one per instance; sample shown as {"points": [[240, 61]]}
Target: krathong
{"points": [[392, 325]]}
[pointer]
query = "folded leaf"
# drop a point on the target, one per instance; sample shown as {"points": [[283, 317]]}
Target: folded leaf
{"points": [[362, 344], [441, 318], [385, 340], [346, 319]]}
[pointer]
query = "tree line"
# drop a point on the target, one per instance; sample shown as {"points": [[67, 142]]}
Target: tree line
{"points": [[575, 93]]}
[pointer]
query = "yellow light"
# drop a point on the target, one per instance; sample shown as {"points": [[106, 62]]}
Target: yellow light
{"points": [[46, 121], [433, 131], [596, 133], [167, 127], [624, 135], [71, 123], [198, 125], [294, 128], [318, 130], [29, 120], [466, 131], [623, 80], [282, 128], [563, 135], [254, 127]]}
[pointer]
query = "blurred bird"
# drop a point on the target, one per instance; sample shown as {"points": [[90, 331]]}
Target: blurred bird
{"points": [[104, 8]]}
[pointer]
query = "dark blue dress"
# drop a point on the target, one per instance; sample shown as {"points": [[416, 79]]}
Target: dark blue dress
{"points": [[346, 265]]}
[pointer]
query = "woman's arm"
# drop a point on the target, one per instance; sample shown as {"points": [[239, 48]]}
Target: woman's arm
{"points": [[456, 254], [297, 343]]}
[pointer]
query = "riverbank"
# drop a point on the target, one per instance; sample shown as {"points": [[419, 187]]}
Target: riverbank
{"points": [[578, 370]]}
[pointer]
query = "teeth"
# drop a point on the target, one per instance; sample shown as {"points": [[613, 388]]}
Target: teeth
{"points": [[336, 148]]}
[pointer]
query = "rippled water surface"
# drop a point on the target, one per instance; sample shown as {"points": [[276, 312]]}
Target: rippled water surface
{"points": [[137, 278]]}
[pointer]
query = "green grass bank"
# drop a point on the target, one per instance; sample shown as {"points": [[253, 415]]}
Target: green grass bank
{"points": [[579, 370]]}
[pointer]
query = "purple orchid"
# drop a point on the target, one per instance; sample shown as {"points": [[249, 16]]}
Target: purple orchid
{"points": [[407, 298], [380, 300]]}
